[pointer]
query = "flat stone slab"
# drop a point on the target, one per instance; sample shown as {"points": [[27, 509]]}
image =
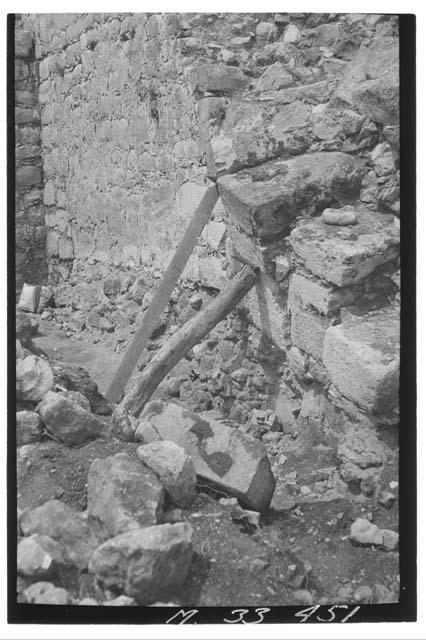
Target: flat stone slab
{"points": [[362, 358], [346, 256], [222, 456], [265, 199]]}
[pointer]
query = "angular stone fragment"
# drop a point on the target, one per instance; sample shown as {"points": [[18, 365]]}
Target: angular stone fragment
{"points": [[174, 468], [34, 378], [40, 557], [122, 495], [274, 78], [47, 593], [67, 420], [218, 77], [346, 256], [25, 329], [145, 563], [264, 200], [68, 527], [221, 455], [362, 358]]}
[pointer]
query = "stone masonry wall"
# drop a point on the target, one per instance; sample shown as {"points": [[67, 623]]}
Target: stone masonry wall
{"points": [[31, 265], [301, 111]]}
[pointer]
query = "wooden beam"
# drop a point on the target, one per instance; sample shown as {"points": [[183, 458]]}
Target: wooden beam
{"points": [[185, 338], [162, 296]]}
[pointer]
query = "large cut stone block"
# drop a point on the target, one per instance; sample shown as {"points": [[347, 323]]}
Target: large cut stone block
{"points": [[346, 256], [264, 200], [308, 331], [222, 456], [304, 293], [362, 358]]}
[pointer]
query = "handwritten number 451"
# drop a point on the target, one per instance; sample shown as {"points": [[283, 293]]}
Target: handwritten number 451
{"points": [[307, 613]]}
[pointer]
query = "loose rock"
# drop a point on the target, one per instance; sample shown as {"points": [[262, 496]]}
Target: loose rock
{"points": [[223, 456], [34, 378], [174, 468], [40, 557], [47, 593], [122, 494], [67, 420], [146, 563], [58, 521], [28, 427], [364, 533]]}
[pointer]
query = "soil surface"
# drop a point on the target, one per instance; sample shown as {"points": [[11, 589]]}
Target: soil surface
{"points": [[235, 563]]}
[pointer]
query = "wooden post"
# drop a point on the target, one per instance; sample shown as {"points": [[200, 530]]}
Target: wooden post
{"points": [[162, 296], [185, 338]]}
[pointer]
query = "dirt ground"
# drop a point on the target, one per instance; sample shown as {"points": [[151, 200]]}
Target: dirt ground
{"points": [[305, 547]]}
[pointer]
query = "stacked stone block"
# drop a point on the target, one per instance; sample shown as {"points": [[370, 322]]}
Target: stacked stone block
{"points": [[29, 222]]}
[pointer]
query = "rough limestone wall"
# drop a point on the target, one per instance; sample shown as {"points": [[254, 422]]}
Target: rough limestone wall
{"points": [[31, 263], [302, 111]]}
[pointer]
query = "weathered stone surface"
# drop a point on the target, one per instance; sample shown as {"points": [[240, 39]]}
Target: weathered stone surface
{"points": [[146, 563], [371, 81], [264, 200], [24, 329], [34, 379], [28, 427], [68, 527], [174, 468], [266, 31], [218, 77], [47, 593], [23, 43], [122, 494], [362, 358], [221, 455], [382, 159], [77, 397], [67, 420], [305, 292], [40, 557], [275, 77], [346, 256], [308, 330], [292, 34]]}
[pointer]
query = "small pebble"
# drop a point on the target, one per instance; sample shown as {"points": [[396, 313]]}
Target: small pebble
{"points": [[386, 499], [394, 484], [303, 596], [363, 594]]}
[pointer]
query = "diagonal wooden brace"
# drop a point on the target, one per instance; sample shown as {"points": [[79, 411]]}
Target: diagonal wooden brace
{"points": [[162, 296], [185, 338]]}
